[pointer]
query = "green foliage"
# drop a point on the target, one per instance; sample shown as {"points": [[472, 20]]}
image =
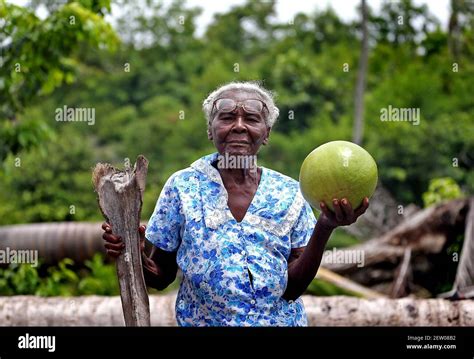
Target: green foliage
{"points": [[102, 279], [54, 42], [441, 189], [22, 135], [19, 279], [61, 280], [64, 279], [51, 185]]}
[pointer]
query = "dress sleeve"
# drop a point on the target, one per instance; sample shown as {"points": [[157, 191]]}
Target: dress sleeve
{"points": [[303, 227], [167, 220]]}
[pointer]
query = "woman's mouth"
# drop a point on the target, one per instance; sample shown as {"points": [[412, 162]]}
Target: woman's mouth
{"points": [[238, 142]]}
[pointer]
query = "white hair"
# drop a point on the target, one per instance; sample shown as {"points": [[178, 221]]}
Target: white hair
{"points": [[248, 86]]}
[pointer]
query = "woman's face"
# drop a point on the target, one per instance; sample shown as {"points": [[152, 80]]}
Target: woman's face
{"points": [[239, 133]]}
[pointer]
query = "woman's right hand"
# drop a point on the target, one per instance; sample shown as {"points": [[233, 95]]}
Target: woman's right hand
{"points": [[114, 244]]}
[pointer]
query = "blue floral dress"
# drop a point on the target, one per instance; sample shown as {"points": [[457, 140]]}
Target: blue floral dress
{"points": [[234, 273]]}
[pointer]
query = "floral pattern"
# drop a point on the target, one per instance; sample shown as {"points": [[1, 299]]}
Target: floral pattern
{"points": [[234, 273]]}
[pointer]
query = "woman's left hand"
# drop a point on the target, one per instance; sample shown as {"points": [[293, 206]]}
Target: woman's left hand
{"points": [[343, 214]]}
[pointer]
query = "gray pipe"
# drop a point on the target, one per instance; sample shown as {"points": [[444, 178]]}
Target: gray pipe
{"points": [[55, 241]]}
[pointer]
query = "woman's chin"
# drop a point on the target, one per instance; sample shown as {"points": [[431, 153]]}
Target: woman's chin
{"points": [[238, 151]]}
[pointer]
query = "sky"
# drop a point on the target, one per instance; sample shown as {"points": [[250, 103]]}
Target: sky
{"points": [[286, 9]]}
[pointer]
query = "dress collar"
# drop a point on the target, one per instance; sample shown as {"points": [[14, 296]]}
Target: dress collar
{"points": [[218, 212], [204, 165]]}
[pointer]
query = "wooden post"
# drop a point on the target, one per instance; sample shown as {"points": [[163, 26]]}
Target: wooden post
{"points": [[120, 200]]}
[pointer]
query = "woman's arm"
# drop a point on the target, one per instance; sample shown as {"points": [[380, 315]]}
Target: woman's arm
{"points": [[304, 263], [159, 269]]}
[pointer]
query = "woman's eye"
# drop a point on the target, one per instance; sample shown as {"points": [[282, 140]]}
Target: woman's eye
{"points": [[226, 118]]}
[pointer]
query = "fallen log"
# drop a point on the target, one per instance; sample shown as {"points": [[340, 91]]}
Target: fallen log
{"points": [[351, 311], [120, 200], [381, 216], [425, 232], [322, 311]]}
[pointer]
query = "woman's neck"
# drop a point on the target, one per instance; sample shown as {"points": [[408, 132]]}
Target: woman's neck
{"points": [[239, 176]]}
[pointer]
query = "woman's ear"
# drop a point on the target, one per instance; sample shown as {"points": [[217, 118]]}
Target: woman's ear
{"points": [[209, 134], [267, 136]]}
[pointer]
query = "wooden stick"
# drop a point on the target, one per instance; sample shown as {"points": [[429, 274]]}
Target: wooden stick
{"points": [[347, 284], [120, 201], [463, 287], [402, 276]]}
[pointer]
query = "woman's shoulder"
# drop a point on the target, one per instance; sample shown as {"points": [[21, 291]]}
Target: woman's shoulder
{"points": [[280, 178], [286, 187], [182, 176], [186, 178]]}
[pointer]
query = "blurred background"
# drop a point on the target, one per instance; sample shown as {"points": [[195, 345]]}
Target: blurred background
{"points": [[141, 69]]}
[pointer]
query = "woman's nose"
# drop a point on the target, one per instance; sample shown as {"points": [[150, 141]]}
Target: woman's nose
{"points": [[239, 123], [239, 119]]}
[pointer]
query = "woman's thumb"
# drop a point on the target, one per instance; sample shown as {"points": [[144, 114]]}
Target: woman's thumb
{"points": [[141, 231]]}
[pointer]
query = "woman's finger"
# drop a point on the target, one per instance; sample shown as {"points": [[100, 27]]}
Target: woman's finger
{"points": [[325, 209], [107, 227], [141, 231], [113, 253], [111, 238], [347, 208], [114, 247], [362, 208], [337, 210]]}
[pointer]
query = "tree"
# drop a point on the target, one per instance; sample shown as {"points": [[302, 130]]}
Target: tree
{"points": [[361, 75], [459, 22], [29, 66]]}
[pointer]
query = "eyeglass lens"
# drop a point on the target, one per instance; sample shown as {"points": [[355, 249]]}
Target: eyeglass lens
{"points": [[229, 105]]}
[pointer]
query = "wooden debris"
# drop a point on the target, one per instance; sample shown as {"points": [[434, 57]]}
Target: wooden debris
{"points": [[120, 200], [347, 284]]}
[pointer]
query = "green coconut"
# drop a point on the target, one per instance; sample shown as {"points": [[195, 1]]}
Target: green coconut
{"points": [[336, 170]]}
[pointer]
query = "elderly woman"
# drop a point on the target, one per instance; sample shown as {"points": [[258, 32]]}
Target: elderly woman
{"points": [[246, 241]]}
